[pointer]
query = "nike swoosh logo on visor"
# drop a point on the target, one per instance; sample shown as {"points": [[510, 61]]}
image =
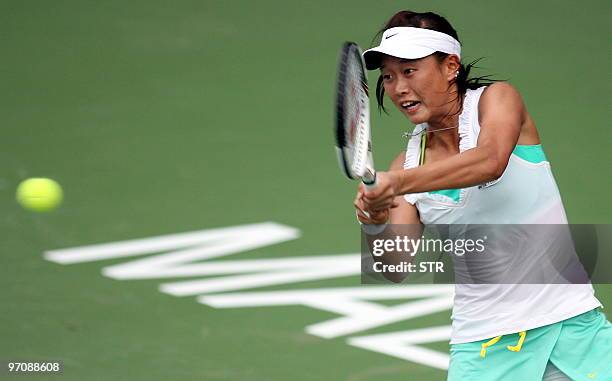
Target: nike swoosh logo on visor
{"points": [[391, 35]]}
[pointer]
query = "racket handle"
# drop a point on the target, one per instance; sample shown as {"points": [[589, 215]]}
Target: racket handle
{"points": [[370, 183], [369, 187], [357, 215]]}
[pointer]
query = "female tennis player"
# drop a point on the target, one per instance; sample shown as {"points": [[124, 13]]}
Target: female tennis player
{"points": [[475, 157]]}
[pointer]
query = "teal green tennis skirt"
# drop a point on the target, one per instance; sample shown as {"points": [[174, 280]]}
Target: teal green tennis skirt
{"points": [[581, 347]]}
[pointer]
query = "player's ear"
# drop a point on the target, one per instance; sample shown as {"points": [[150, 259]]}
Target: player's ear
{"points": [[451, 66]]}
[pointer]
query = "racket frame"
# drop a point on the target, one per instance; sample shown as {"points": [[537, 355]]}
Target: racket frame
{"points": [[368, 175]]}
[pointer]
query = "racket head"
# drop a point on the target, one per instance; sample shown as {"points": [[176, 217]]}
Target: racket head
{"points": [[352, 125]]}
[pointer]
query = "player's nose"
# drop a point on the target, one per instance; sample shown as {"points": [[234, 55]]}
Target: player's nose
{"points": [[401, 87]]}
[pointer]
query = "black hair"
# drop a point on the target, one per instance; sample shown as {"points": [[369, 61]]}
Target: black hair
{"points": [[433, 21]]}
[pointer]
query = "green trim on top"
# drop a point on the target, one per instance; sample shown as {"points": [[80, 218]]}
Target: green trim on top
{"points": [[531, 153]]}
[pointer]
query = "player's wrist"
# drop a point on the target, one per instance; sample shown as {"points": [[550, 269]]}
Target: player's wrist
{"points": [[369, 221], [373, 229]]}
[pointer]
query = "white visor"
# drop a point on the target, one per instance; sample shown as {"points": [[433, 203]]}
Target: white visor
{"points": [[410, 43]]}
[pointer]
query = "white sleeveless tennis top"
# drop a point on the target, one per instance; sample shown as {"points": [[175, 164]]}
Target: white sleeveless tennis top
{"points": [[526, 193]]}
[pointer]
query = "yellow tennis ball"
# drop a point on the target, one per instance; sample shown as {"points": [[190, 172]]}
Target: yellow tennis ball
{"points": [[39, 194]]}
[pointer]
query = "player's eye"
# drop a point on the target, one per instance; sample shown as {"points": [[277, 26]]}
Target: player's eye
{"points": [[386, 77], [408, 71]]}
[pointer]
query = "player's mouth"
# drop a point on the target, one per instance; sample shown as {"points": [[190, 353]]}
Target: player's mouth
{"points": [[410, 106]]}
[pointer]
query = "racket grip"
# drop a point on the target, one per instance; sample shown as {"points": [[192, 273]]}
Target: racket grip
{"points": [[357, 215], [369, 183], [369, 187]]}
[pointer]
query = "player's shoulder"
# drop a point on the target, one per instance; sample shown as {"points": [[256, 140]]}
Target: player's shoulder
{"points": [[500, 95], [398, 162], [498, 91]]}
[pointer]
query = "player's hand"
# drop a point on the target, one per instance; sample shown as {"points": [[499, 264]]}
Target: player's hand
{"points": [[370, 217], [383, 195]]}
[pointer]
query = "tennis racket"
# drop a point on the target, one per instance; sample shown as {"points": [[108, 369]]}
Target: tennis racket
{"points": [[352, 128]]}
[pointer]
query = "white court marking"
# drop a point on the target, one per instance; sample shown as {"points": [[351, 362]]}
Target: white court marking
{"points": [[180, 256]]}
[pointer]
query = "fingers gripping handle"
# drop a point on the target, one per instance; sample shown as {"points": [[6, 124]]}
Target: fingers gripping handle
{"points": [[370, 183]]}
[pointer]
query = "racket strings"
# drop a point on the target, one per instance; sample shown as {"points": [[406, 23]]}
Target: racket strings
{"points": [[357, 125]]}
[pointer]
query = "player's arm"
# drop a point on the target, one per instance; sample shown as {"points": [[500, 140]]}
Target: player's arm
{"points": [[401, 211], [404, 213], [403, 219], [501, 111]]}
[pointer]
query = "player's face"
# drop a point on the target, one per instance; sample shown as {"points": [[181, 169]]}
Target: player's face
{"points": [[418, 88]]}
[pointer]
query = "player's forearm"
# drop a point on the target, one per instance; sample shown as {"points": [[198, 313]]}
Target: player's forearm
{"points": [[472, 167]]}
